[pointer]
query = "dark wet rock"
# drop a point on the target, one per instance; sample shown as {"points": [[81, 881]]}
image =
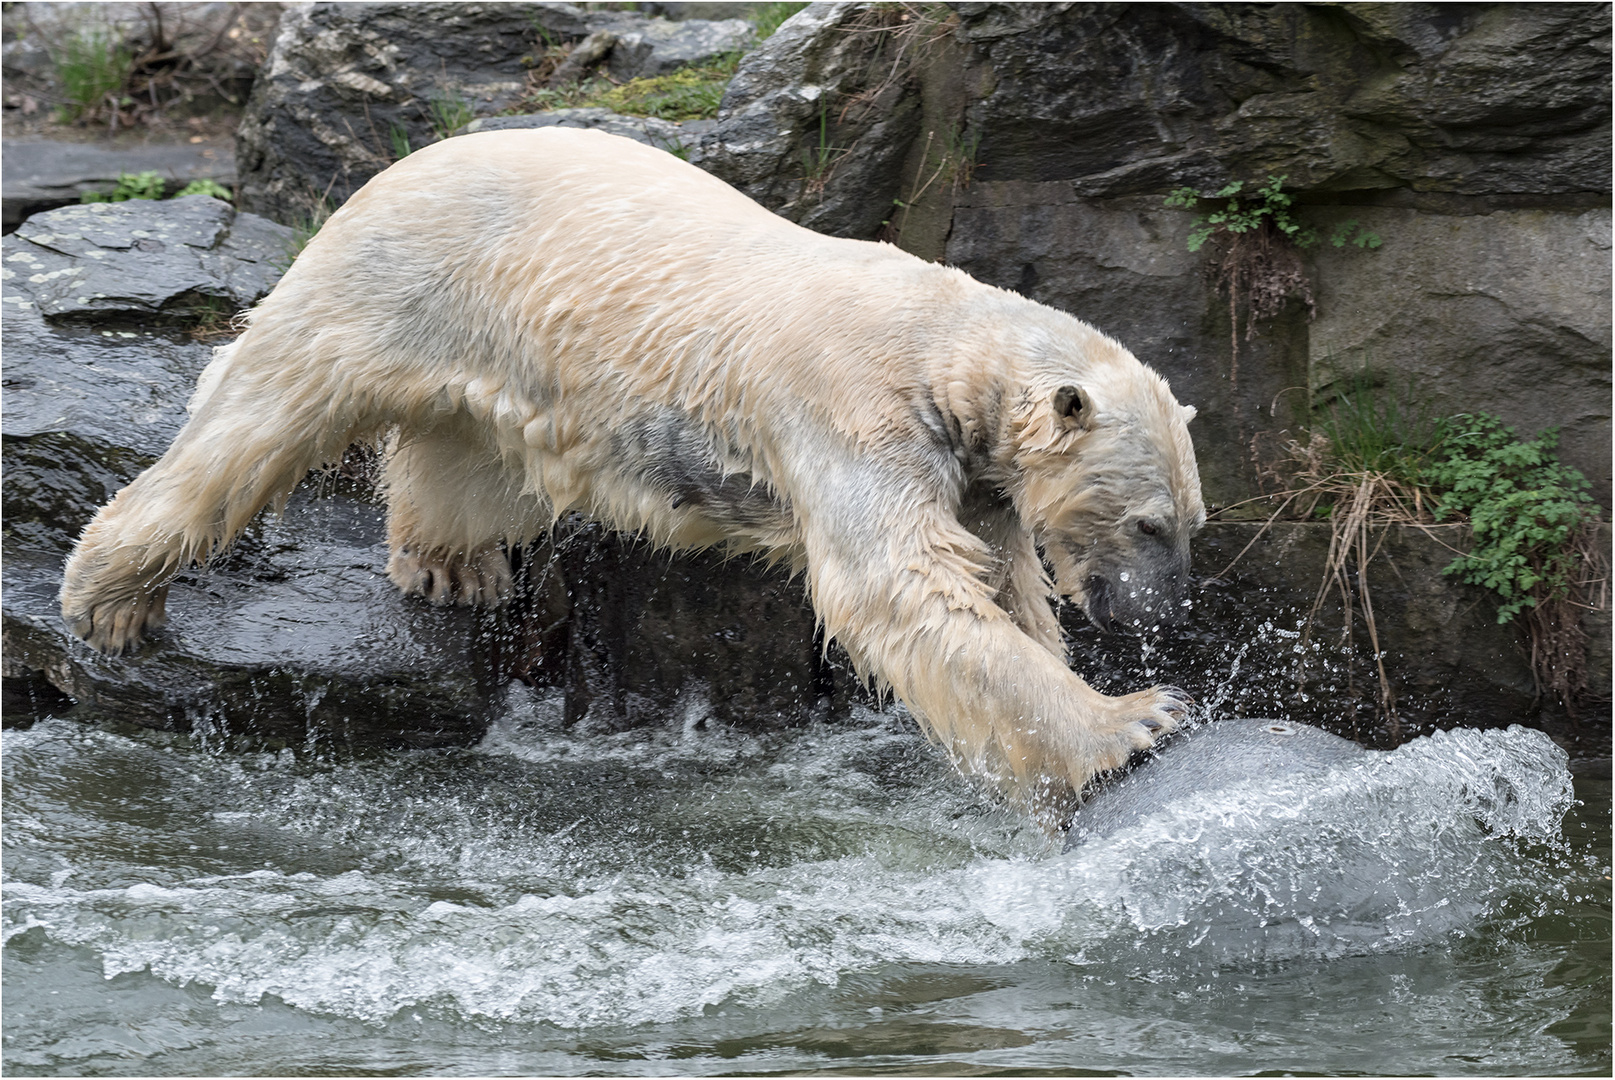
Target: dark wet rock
{"points": [[663, 134], [141, 258], [296, 635], [297, 638], [638, 638], [40, 174], [344, 82], [1249, 648]]}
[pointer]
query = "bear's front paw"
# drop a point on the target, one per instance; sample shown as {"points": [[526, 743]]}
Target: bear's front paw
{"points": [[481, 579], [1138, 720], [115, 626]]}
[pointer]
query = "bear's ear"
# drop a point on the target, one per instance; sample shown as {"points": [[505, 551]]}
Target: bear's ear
{"points": [[1189, 413], [1072, 407]]}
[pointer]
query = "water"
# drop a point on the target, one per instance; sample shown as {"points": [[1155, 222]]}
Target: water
{"points": [[831, 898]]}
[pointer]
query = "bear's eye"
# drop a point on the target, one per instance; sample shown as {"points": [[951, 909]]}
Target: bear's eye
{"points": [[1148, 528]]}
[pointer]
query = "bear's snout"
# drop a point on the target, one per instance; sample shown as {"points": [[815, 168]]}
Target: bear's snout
{"points": [[1136, 601]]}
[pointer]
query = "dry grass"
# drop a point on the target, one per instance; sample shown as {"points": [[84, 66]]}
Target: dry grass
{"points": [[1363, 505]]}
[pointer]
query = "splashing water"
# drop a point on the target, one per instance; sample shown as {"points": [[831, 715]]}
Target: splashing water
{"points": [[683, 898]]}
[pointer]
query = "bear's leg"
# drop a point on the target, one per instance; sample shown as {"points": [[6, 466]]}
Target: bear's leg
{"points": [[911, 602], [450, 501], [256, 430], [1020, 584]]}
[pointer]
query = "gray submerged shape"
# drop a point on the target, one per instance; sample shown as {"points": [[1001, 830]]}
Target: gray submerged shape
{"points": [[1214, 758]]}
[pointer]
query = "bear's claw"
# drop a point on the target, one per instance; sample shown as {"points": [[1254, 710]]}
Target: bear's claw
{"points": [[118, 626], [482, 579]]}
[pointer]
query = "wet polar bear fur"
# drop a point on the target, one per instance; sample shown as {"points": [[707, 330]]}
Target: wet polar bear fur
{"points": [[544, 321]]}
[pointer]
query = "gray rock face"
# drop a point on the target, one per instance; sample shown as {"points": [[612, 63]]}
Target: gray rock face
{"points": [[344, 81], [40, 174], [1125, 99], [1482, 313], [1128, 99], [812, 127], [1475, 140]]}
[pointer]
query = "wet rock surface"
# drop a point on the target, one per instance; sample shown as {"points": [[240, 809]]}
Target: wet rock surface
{"points": [[345, 82], [294, 635], [142, 258]]}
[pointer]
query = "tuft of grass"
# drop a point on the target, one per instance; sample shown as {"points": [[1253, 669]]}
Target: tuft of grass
{"points": [[398, 136], [446, 113], [212, 319], [93, 67], [304, 228], [691, 93], [1372, 431], [818, 162]]}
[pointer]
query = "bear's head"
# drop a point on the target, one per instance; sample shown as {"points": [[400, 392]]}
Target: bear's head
{"points": [[1106, 478]]}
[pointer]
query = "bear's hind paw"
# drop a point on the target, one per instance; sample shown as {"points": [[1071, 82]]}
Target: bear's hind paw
{"points": [[117, 626], [480, 579]]}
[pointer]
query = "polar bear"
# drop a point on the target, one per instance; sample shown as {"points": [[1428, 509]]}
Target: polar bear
{"points": [[544, 321]]}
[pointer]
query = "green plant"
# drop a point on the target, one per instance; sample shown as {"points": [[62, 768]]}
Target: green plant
{"points": [[1374, 429], [447, 112], [151, 185], [1267, 206], [304, 228], [398, 136], [690, 93], [1531, 520], [820, 160], [93, 68], [1524, 509], [143, 185], [205, 187], [1257, 264], [212, 318]]}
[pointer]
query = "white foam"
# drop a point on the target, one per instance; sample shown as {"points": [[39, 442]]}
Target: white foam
{"points": [[881, 855]]}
